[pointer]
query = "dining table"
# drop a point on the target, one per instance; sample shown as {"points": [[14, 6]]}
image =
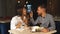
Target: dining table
{"points": [[28, 31]]}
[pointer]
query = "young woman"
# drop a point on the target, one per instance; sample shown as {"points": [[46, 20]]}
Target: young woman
{"points": [[20, 20]]}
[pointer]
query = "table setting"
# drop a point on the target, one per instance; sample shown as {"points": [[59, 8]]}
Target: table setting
{"points": [[30, 30]]}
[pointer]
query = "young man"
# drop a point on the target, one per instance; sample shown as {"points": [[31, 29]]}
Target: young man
{"points": [[44, 18]]}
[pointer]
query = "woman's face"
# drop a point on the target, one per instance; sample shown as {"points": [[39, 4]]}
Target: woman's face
{"points": [[24, 11]]}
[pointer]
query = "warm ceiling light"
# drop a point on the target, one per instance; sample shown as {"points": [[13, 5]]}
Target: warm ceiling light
{"points": [[26, 2], [18, 1]]}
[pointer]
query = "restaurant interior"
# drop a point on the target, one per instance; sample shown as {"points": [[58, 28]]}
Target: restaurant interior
{"points": [[8, 9]]}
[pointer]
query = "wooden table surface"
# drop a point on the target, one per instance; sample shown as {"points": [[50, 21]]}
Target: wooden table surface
{"points": [[29, 32]]}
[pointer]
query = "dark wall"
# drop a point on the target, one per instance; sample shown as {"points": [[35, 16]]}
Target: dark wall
{"points": [[53, 7], [7, 8], [2, 8]]}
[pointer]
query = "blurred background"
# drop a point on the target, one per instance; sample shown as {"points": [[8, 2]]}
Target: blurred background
{"points": [[8, 9]]}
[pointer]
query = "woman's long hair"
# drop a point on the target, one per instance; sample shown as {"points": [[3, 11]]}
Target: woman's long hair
{"points": [[20, 13]]}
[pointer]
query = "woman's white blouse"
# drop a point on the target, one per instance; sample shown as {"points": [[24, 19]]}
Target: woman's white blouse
{"points": [[14, 22]]}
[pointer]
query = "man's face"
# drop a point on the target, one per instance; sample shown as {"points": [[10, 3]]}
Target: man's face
{"points": [[39, 10]]}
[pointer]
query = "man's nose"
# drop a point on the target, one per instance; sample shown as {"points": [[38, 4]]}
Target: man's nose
{"points": [[37, 11]]}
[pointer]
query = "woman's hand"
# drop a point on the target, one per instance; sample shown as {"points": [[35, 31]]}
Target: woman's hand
{"points": [[18, 25], [25, 21]]}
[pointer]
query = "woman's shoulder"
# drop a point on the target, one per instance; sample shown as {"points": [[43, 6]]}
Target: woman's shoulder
{"points": [[16, 17]]}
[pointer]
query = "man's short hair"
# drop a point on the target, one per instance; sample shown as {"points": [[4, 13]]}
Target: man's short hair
{"points": [[42, 6]]}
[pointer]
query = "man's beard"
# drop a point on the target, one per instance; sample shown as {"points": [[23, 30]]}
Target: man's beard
{"points": [[40, 14]]}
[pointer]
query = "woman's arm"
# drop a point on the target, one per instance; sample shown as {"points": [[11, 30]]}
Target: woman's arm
{"points": [[13, 23]]}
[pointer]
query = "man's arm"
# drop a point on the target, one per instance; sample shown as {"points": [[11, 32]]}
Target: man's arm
{"points": [[34, 22], [52, 23]]}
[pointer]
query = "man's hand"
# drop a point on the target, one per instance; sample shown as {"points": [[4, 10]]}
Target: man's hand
{"points": [[31, 14], [45, 30]]}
